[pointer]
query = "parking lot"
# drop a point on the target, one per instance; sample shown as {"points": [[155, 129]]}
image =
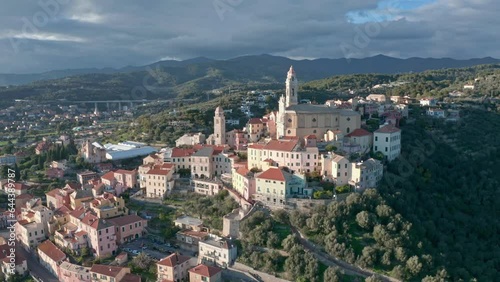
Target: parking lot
{"points": [[153, 249]]}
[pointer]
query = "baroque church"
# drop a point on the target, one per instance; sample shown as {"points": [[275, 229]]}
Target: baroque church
{"points": [[300, 120]]}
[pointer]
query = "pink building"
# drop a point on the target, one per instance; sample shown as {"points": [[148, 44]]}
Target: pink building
{"points": [[128, 227], [57, 198], [50, 256], [237, 139], [101, 233], [204, 273]]}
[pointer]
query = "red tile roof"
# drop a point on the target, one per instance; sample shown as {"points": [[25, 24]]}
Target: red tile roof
{"points": [[279, 145], [125, 220], [173, 260], [256, 121], [110, 176], [272, 174], [51, 250], [159, 171], [256, 146], [388, 129], [180, 152], [311, 136], [129, 277], [107, 270], [242, 171], [205, 271], [359, 132]]}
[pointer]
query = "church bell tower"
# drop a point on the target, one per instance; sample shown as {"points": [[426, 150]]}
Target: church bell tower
{"points": [[292, 86]]}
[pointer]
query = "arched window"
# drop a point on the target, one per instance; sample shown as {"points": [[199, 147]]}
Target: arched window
{"points": [[314, 120], [289, 131], [348, 130]]}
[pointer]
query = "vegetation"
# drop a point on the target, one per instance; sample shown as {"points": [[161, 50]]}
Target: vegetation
{"points": [[433, 217]]}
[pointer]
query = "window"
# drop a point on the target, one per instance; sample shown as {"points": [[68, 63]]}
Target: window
{"points": [[289, 120], [386, 139], [314, 120], [348, 130]]}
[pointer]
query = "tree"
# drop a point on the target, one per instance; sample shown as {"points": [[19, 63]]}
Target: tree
{"points": [[413, 265], [333, 274], [142, 261], [289, 242], [330, 148], [365, 220], [373, 278]]}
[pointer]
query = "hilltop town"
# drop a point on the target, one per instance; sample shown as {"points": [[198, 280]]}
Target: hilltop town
{"points": [[199, 210]]}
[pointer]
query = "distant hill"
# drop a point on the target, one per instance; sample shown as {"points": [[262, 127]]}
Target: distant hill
{"points": [[273, 66], [192, 78]]}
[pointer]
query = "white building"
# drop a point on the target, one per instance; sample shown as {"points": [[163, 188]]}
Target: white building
{"points": [[428, 102], [438, 113], [387, 140], [190, 139], [217, 251], [366, 174]]}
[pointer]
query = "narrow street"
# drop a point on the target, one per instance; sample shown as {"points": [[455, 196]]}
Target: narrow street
{"points": [[328, 260], [35, 268]]}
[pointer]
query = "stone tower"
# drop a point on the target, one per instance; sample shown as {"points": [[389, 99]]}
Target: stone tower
{"points": [[292, 86], [219, 126]]}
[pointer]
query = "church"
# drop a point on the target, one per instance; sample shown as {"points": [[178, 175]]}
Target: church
{"points": [[300, 120]]}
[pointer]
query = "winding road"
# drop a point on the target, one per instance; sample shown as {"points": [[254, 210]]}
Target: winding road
{"points": [[328, 260]]}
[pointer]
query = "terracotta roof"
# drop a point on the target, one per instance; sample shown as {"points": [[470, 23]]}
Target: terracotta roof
{"points": [[20, 186], [242, 171], [51, 250], [278, 145], [193, 233], [180, 152], [255, 121], [129, 277], [256, 146], [173, 260], [272, 174], [126, 219], [74, 185], [388, 129], [310, 136], [108, 270], [205, 271], [159, 171], [110, 176], [359, 132]]}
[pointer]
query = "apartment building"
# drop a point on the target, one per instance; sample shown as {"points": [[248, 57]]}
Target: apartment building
{"points": [[30, 234], [59, 197], [159, 181], [205, 273], [209, 187], [50, 256], [108, 205], [128, 227], [361, 137], [243, 182], [217, 251], [288, 153], [275, 185], [174, 267], [336, 168], [387, 140], [73, 273], [366, 174], [109, 273], [101, 232]]}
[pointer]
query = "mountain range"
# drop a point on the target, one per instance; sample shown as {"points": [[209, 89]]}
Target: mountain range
{"points": [[191, 79], [268, 68]]}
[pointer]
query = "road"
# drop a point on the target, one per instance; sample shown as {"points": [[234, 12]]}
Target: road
{"points": [[328, 260], [35, 268]]}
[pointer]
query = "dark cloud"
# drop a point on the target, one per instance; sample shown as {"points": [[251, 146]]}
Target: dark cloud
{"points": [[90, 33]]}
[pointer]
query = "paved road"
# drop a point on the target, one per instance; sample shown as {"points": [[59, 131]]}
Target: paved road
{"points": [[264, 277], [35, 268], [328, 260]]}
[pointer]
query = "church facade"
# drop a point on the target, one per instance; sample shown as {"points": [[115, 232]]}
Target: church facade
{"points": [[300, 120]]}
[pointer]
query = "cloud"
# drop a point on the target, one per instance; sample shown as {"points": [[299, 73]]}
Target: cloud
{"points": [[93, 33]]}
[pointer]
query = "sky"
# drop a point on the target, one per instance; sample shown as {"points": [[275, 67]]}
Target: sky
{"points": [[43, 35]]}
